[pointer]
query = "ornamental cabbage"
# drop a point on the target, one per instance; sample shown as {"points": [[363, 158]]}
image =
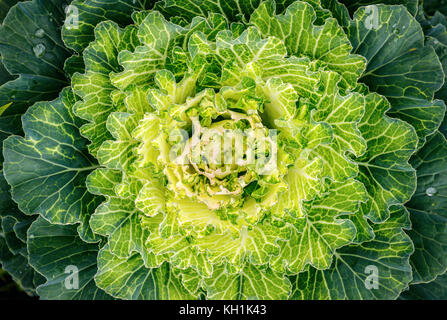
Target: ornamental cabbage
{"points": [[186, 149]]}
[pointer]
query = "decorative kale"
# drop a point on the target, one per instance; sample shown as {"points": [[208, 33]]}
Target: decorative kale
{"points": [[237, 149]]}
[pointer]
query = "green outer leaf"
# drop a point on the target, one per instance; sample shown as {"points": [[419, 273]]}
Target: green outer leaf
{"points": [[27, 77], [47, 169], [47, 16], [345, 279], [23, 92], [105, 278], [429, 235], [52, 249], [32, 77], [120, 221], [434, 290], [400, 67], [19, 269], [13, 254], [5, 6], [13, 228], [429, 213], [435, 30], [4, 74]]}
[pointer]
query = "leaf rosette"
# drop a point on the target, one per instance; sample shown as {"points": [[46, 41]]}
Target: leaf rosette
{"points": [[235, 153]]}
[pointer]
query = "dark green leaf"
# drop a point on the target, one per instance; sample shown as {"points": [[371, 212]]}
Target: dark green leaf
{"points": [[47, 169], [435, 290], [399, 66], [61, 256], [428, 209], [33, 54]]}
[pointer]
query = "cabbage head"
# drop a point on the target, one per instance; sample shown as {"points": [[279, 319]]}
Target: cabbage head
{"points": [[238, 149]]}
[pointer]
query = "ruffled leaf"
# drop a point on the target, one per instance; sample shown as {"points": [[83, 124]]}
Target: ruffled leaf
{"points": [[315, 237], [384, 169], [127, 278], [94, 86], [327, 44], [377, 269], [251, 283]]}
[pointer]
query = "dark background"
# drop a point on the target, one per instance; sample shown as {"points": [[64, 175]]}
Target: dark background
{"points": [[9, 290]]}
